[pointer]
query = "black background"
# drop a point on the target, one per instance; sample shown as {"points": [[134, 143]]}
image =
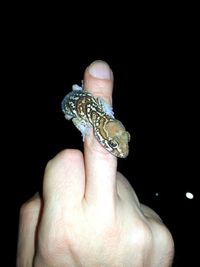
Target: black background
{"points": [[154, 61]]}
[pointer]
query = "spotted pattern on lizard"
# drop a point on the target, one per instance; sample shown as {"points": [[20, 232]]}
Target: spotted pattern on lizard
{"points": [[86, 111]]}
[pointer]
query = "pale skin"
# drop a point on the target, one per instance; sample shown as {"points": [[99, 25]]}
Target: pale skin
{"points": [[89, 215]]}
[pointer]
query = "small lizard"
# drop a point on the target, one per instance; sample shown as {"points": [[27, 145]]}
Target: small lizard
{"points": [[86, 111]]}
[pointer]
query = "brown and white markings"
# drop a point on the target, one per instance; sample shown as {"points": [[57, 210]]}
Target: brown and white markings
{"points": [[86, 111]]}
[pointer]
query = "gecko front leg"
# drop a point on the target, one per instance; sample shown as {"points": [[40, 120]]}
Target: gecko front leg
{"points": [[82, 126], [106, 107]]}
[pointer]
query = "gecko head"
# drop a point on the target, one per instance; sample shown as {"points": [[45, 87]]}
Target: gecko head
{"points": [[118, 139]]}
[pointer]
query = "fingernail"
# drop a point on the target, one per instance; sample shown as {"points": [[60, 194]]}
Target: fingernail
{"points": [[100, 69]]}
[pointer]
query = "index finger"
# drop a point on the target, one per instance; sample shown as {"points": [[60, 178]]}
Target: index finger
{"points": [[100, 164]]}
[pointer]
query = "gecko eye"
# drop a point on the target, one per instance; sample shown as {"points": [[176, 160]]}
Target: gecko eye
{"points": [[112, 143]]}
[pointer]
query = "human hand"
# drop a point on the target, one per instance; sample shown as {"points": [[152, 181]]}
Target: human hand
{"points": [[89, 215]]}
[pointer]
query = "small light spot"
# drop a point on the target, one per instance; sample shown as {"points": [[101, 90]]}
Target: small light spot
{"points": [[189, 195], [156, 194]]}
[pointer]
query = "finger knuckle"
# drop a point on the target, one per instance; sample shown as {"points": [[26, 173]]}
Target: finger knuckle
{"points": [[141, 235]]}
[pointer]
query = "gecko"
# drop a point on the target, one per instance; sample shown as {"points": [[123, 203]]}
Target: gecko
{"points": [[88, 112]]}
